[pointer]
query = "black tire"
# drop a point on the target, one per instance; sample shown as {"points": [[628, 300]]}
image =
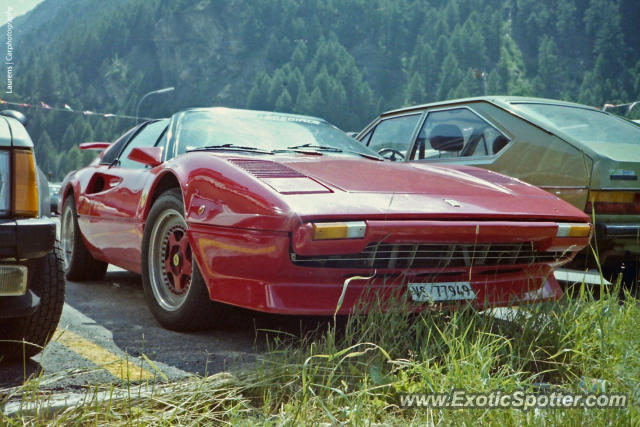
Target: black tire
{"points": [[177, 297], [79, 264], [24, 337]]}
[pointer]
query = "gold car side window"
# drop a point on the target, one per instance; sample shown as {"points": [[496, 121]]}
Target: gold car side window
{"points": [[392, 137], [455, 133]]}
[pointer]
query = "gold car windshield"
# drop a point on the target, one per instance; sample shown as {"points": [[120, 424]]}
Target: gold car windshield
{"points": [[582, 124]]}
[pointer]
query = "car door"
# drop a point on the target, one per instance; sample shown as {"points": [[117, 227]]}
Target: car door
{"points": [[114, 193]]}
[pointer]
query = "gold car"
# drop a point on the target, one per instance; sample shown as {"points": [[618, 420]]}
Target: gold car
{"points": [[585, 156]]}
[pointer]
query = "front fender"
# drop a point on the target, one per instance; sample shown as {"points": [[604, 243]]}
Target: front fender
{"points": [[216, 192]]}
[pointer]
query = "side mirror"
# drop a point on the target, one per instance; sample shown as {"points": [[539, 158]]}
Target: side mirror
{"points": [[150, 156]]}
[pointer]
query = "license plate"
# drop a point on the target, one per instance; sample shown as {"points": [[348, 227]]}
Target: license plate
{"points": [[443, 291]]}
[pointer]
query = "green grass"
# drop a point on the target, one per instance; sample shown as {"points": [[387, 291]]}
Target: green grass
{"points": [[353, 371]]}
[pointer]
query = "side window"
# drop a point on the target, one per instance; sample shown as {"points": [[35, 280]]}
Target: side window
{"points": [[394, 136], [147, 137], [457, 133], [112, 152]]}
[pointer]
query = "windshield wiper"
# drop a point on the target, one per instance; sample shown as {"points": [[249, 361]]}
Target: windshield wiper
{"points": [[317, 147], [298, 150], [367, 156], [331, 150], [231, 147]]}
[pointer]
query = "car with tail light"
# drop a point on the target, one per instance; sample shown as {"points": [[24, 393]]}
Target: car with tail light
{"points": [[285, 213], [588, 157], [31, 273]]}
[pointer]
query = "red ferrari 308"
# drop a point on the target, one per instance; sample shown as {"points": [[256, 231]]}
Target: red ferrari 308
{"points": [[276, 212]]}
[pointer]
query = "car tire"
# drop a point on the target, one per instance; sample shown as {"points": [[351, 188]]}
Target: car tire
{"points": [[79, 264], [24, 337], [174, 288]]}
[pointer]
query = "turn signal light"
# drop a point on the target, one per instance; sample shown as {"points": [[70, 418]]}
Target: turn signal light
{"points": [[613, 202], [573, 230], [339, 230], [25, 184]]}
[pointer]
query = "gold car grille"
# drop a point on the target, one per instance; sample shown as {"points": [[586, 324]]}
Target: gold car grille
{"points": [[426, 255]]}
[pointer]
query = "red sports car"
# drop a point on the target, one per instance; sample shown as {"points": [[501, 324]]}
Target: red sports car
{"points": [[275, 212]]}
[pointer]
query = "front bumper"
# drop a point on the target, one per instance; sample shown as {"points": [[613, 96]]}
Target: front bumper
{"points": [[321, 298], [19, 306], [617, 241], [254, 270], [26, 238], [23, 239], [612, 231]]}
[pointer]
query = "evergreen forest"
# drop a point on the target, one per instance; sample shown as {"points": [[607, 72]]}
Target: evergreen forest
{"points": [[343, 60]]}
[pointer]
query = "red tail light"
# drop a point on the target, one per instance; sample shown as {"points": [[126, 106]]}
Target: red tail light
{"points": [[614, 202]]}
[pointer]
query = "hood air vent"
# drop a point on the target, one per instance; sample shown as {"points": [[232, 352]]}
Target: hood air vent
{"points": [[266, 168]]}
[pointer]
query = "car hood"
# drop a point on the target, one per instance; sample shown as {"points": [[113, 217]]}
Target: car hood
{"points": [[419, 190], [356, 176]]}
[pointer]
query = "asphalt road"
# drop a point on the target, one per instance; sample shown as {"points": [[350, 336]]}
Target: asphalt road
{"points": [[107, 335]]}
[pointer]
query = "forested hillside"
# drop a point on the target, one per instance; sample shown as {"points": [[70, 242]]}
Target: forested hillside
{"points": [[344, 60]]}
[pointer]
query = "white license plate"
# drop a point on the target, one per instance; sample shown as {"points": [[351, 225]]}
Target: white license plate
{"points": [[443, 291]]}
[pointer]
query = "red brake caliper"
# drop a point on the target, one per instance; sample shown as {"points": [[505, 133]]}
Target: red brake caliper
{"points": [[178, 262]]}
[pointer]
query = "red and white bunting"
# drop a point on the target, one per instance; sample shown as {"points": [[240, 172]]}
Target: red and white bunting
{"points": [[67, 108]]}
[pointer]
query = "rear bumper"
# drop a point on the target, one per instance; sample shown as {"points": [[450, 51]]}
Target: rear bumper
{"points": [[26, 238], [254, 270]]}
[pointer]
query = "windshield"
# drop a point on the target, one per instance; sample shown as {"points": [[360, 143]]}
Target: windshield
{"points": [[583, 124], [260, 130]]}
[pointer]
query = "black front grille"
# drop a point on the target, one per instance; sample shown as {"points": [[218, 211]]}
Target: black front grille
{"points": [[417, 256]]}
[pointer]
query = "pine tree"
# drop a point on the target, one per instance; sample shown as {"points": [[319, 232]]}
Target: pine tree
{"points": [[284, 103], [449, 77], [259, 93], [415, 93], [45, 153], [69, 138], [547, 83]]}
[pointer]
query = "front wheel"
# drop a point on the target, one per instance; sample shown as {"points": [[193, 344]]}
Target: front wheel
{"points": [[173, 285], [26, 336]]}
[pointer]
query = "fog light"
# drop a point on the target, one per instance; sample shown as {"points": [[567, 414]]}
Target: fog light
{"points": [[13, 280], [573, 230], [339, 230]]}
